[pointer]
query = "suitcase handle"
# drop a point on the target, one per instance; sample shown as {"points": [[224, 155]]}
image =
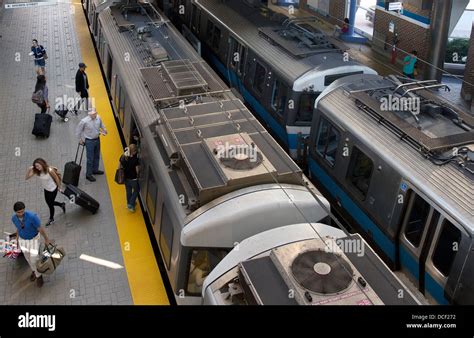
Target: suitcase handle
{"points": [[77, 153]]}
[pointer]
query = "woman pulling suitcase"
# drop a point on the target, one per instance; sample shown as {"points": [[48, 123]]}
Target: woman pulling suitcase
{"points": [[51, 182]]}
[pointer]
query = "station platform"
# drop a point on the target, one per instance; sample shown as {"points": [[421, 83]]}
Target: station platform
{"points": [[109, 257]]}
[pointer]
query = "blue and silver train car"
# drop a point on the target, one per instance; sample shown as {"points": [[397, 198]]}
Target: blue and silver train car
{"points": [[279, 66], [211, 175], [397, 163], [304, 264]]}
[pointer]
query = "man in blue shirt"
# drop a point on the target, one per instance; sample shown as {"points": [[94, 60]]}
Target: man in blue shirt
{"points": [[409, 64], [28, 232], [39, 54]]}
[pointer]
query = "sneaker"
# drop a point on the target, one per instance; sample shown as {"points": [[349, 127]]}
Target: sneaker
{"points": [[90, 178], [39, 281], [130, 208], [51, 221], [99, 172], [63, 206], [32, 277], [75, 112]]}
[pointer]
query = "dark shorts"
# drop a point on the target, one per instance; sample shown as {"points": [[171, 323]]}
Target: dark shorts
{"points": [[40, 63]]}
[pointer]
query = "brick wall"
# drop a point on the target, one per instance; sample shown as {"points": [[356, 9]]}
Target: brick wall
{"points": [[336, 11], [467, 90], [410, 36]]}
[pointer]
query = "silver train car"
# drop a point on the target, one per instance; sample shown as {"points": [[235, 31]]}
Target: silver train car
{"points": [[396, 161], [304, 264], [279, 66], [212, 176]]}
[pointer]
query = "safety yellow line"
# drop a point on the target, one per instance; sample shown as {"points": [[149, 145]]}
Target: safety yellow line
{"points": [[144, 278]]}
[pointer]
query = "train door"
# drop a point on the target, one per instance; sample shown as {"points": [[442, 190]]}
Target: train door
{"points": [[419, 218], [135, 136], [153, 203], [109, 68], [441, 255], [235, 60]]}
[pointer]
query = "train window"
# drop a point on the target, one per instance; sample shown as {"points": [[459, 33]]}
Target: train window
{"points": [[417, 220], [121, 108], [306, 107], [328, 140], [117, 93], [360, 171], [243, 54], [196, 19], [201, 263], [216, 39], [446, 248], [209, 30], [259, 78], [235, 47], [151, 195], [279, 97], [166, 237], [331, 78]]}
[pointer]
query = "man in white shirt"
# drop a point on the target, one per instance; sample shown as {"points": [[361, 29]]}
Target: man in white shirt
{"points": [[88, 132]]}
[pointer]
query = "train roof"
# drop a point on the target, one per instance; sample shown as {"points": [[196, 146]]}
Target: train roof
{"points": [[289, 258], [278, 44], [414, 141], [205, 135]]}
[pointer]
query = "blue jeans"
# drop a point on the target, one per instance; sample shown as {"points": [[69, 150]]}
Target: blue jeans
{"points": [[132, 188], [93, 155]]}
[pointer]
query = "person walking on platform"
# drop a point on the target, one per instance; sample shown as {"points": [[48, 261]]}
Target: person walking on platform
{"points": [[51, 183], [28, 232], [131, 168], [88, 132], [40, 56], [82, 87], [40, 95]]}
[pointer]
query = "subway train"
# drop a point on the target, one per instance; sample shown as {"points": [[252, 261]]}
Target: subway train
{"points": [[278, 65], [134, 45], [383, 211], [304, 264], [211, 174], [396, 162]]}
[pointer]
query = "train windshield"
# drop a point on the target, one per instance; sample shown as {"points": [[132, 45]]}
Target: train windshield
{"points": [[202, 262], [306, 108]]}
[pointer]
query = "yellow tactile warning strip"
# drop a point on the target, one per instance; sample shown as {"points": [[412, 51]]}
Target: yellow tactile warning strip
{"points": [[144, 278]]}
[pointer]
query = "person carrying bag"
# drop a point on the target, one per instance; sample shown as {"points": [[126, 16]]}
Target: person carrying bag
{"points": [[130, 165]]}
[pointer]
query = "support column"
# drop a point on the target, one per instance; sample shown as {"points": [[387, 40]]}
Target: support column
{"points": [[351, 35], [352, 16], [439, 36]]}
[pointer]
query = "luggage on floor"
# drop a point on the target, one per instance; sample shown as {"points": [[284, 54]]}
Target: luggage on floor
{"points": [[81, 198], [62, 112], [42, 125], [50, 256], [72, 170], [10, 247]]}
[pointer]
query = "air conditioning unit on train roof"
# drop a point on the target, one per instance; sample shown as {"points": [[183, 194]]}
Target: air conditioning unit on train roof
{"points": [[319, 273], [238, 158]]}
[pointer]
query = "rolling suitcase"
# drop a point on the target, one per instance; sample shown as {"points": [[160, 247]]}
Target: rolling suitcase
{"points": [[81, 198], [62, 112], [42, 125], [72, 169]]}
